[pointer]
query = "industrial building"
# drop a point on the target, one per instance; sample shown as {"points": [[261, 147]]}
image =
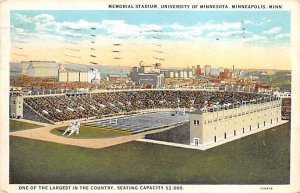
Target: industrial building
{"points": [[91, 76], [44, 69], [178, 73], [207, 69], [210, 127], [147, 76], [24, 67]]}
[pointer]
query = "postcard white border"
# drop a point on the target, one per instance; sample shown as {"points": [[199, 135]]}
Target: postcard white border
{"points": [[8, 5]]}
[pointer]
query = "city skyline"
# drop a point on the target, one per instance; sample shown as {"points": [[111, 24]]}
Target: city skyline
{"points": [[248, 39]]}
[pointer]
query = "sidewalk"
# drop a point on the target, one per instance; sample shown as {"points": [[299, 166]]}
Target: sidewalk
{"points": [[32, 122]]}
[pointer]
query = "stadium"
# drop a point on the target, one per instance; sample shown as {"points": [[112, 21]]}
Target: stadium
{"points": [[148, 135], [150, 111]]}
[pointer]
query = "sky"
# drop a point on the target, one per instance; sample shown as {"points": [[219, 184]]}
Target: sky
{"points": [[176, 39]]}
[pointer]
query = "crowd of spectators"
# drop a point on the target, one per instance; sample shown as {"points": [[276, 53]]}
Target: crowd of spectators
{"points": [[77, 106]]}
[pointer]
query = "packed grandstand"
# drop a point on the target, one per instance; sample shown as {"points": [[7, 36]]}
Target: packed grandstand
{"points": [[57, 108]]}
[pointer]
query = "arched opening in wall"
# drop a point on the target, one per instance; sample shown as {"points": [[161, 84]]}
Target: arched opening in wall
{"points": [[243, 130], [264, 123], [13, 115], [271, 121], [234, 132], [277, 119], [257, 125], [250, 127], [196, 141], [215, 138], [224, 135]]}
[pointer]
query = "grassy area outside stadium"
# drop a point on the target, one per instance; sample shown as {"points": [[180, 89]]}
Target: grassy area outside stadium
{"points": [[15, 125], [262, 158]]}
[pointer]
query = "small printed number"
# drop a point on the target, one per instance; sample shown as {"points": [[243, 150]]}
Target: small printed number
{"points": [[266, 188], [174, 188]]}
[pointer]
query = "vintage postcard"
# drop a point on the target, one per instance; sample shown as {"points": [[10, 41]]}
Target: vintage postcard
{"points": [[149, 96]]}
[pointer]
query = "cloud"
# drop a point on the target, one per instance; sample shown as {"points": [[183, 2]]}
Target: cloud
{"points": [[81, 24], [23, 18], [224, 26], [254, 39], [258, 37], [37, 18], [223, 34], [40, 22], [258, 22], [274, 30], [44, 17], [146, 27], [44, 26], [121, 30], [40, 36], [18, 29], [176, 26], [287, 35]]}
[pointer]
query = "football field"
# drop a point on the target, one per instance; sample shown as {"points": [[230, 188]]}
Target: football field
{"points": [[142, 122]]}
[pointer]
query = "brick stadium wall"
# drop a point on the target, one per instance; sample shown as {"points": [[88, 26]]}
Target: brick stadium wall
{"points": [[180, 134]]}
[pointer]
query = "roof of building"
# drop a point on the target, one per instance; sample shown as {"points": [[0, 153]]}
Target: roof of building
{"points": [[38, 61], [117, 75], [198, 112]]}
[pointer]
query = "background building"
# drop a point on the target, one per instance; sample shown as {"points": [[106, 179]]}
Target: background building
{"points": [[147, 76], [225, 74], [24, 67], [214, 72], [180, 73], [91, 76], [40, 69], [207, 69], [198, 71]]}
